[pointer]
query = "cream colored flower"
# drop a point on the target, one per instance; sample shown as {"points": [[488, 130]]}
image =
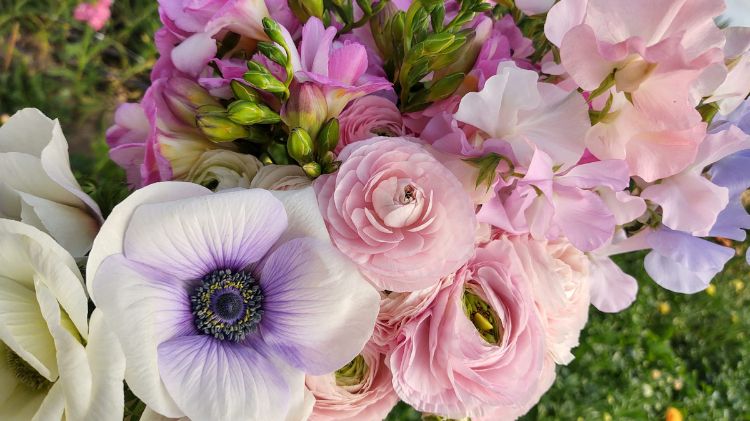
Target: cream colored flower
{"points": [[37, 186], [46, 372]]}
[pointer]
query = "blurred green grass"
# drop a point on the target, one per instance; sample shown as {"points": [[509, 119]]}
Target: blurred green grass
{"points": [[667, 350]]}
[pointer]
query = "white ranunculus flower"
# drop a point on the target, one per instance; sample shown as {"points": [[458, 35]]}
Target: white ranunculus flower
{"points": [[46, 372], [281, 177], [220, 169], [37, 186]]}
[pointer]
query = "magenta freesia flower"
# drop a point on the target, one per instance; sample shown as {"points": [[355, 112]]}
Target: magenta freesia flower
{"points": [[222, 302], [339, 67], [397, 212], [478, 349]]}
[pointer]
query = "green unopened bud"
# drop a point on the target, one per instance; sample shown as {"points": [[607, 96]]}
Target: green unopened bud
{"points": [[306, 108], [184, 97], [266, 159], [271, 51], [300, 146], [313, 7], [260, 77], [248, 113], [328, 137], [242, 91], [273, 30], [219, 128], [277, 152], [444, 87], [312, 169]]}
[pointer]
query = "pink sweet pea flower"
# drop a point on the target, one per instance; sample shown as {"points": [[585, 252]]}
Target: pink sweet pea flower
{"points": [[478, 349], [505, 42], [547, 204], [398, 212], [516, 108], [689, 201], [94, 14]]}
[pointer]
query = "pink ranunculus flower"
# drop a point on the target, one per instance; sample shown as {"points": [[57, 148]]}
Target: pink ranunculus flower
{"points": [[368, 117], [397, 309], [94, 14], [559, 276], [395, 210], [479, 347], [360, 391]]}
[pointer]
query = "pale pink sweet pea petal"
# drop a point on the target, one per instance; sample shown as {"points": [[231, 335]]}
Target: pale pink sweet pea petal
{"points": [[534, 7], [612, 290], [514, 107]]}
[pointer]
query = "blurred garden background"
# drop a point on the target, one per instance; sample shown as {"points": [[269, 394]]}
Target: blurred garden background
{"points": [[668, 356]]}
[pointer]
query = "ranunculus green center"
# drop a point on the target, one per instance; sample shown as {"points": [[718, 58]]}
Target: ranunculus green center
{"points": [[353, 373], [483, 317]]}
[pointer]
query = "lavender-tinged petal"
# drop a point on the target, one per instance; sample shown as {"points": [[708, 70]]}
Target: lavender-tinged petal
{"points": [[318, 311], [583, 217], [223, 381], [188, 239], [682, 263], [112, 233], [732, 222], [143, 311]]}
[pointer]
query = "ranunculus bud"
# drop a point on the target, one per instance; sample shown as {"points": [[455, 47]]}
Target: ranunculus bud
{"points": [[220, 169], [306, 108]]}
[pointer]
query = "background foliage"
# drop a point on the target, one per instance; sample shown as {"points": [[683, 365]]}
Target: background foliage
{"points": [[691, 353]]}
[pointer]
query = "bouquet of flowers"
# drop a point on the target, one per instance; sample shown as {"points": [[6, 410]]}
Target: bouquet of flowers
{"points": [[337, 205]]}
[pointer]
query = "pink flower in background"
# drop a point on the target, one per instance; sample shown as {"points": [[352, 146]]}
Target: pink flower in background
{"points": [[368, 117], [479, 347], [94, 14], [360, 391], [397, 212]]}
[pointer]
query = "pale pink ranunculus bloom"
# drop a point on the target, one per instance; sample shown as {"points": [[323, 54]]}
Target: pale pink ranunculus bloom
{"points": [[95, 14], [559, 276], [364, 394], [441, 363], [397, 212], [368, 117]]}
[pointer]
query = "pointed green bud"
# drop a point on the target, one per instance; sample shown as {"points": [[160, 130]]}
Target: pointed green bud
{"points": [[277, 152], [248, 113], [219, 128], [271, 51], [444, 87], [300, 146], [184, 97], [313, 7], [273, 30], [328, 137], [265, 158], [260, 77], [312, 169], [242, 91], [306, 108]]}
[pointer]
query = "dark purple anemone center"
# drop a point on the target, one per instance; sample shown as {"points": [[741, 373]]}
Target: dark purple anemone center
{"points": [[227, 305]]}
